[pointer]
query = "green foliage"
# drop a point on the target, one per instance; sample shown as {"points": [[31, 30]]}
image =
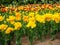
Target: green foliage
{"points": [[28, 1]]}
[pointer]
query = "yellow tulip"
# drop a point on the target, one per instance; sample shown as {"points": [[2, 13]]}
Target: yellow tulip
{"points": [[31, 24], [17, 25], [48, 17], [9, 30], [31, 14], [40, 18], [3, 27], [25, 18], [18, 16], [32, 19], [1, 18], [56, 18], [11, 19]]}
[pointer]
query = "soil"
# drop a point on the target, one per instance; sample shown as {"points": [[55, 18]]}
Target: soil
{"points": [[56, 41], [37, 42], [46, 42]]}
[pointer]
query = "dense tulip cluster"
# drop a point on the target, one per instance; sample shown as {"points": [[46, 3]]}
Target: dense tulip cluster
{"points": [[33, 20]]}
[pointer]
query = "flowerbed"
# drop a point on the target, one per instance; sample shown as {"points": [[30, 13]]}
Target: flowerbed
{"points": [[33, 21]]}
